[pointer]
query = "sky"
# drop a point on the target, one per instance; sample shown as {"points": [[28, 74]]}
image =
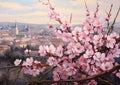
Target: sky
{"points": [[32, 11]]}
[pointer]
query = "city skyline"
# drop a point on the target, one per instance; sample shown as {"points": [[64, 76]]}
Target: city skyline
{"points": [[32, 11]]}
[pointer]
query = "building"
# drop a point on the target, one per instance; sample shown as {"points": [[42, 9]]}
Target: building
{"points": [[33, 42], [16, 29], [21, 44], [4, 33], [3, 48]]}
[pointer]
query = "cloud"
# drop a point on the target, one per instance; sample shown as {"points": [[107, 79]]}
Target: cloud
{"points": [[34, 13], [38, 13], [79, 2], [13, 6], [36, 17]]}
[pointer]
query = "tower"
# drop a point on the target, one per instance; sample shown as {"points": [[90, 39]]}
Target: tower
{"points": [[16, 29]]}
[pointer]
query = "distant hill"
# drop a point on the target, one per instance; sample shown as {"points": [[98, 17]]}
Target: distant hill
{"points": [[41, 29]]}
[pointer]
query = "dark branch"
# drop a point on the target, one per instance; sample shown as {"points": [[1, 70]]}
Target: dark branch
{"points": [[83, 79]]}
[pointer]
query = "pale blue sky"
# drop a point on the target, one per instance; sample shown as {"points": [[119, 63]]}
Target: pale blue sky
{"points": [[32, 11]]}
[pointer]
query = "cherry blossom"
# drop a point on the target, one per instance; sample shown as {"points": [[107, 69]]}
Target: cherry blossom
{"points": [[92, 82], [52, 49], [28, 62], [56, 76], [110, 42], [88, 29], [52, 61], [27, 51], [114, 52], [59, 51], [65, 25], [76, 31], [86, 48], [118, 74], [32, 67], [42, 50], [106, 66], [88, 54], [17, 62]]}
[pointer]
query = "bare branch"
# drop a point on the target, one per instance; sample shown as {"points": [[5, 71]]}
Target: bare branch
{"points": [[70, 17], [108, 15], [105, 81], [110, 29], [6, 67], [96, 11], [87, 10]]}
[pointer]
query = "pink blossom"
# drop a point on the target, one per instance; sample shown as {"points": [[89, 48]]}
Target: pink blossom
{"points": [[42, 50], [66, 37], [97, 39], [28, 62], [66, 64], [118, 74], [99, 56], [98, 22], [114, 52], [82, 60], [52, 49], [59, 51], [84, 37], [17, 62], [47, 49], [88, 54], [34, 72], [88, 29], [77, 31], [27, 51], [63, 75], [32, 67], [110, 42], [37, 62], [106, 66], [87, 46], [87, 69], [114, 35], [52, 61], [80, 49], [65, 25], [92, 82], [71, 71], [56, 76], [75, 83], [54, 15], [55, 84]]}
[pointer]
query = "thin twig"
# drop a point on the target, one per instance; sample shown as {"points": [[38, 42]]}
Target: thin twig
{"points": [[108, 16], [112, 26], [6, 67], [87, 10], [20, 66], [105, 81], [17, 75], [45, 73], [70, 17]]}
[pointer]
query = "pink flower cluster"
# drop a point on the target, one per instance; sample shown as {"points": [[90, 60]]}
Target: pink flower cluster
{"points": [[51, 50], [87, 49], [30, 66], [81, 49]]}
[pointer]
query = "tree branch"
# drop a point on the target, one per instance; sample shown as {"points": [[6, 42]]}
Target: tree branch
{"points": [[83, 79]]}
